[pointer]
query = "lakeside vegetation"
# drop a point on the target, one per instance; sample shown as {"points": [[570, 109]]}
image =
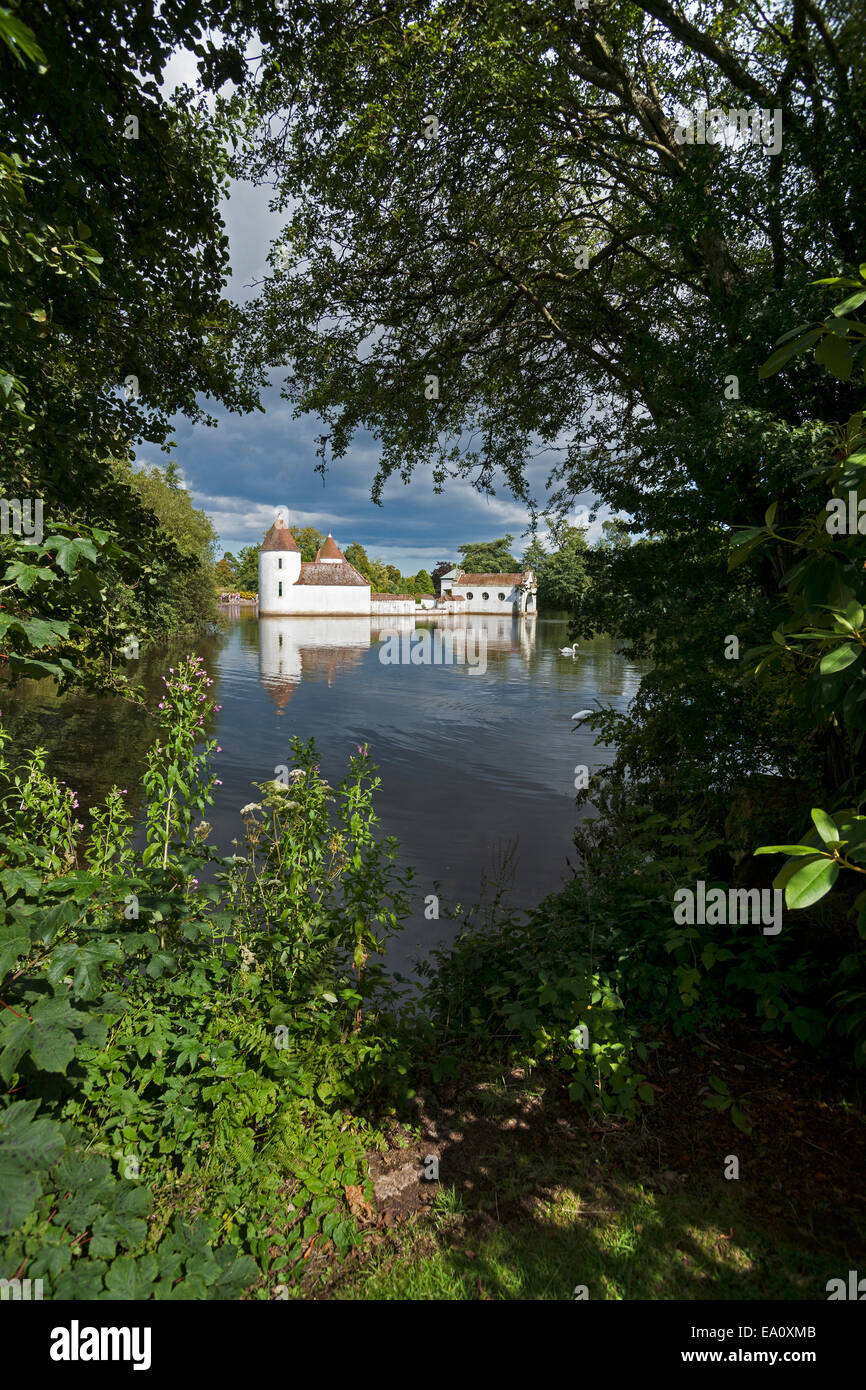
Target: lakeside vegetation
{"points": [[199, 1059]]}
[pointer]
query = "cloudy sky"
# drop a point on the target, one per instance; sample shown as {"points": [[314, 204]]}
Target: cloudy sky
{"points": [[246, 467]]}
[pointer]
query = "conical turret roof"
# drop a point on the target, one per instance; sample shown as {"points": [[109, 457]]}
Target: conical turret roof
{"points": [[329, 550], [279, 537]]}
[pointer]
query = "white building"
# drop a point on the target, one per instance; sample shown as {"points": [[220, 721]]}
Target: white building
{"points": [[329, 585], [491, 593], [288, 584]]}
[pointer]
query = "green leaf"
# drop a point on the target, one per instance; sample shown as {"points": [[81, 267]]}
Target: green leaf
{"points": [[777, 359], [825, 827], [742, 543], [52, 1046], [19, 39], [130, 1279], [717, 1102], [834, 354], [838, 280], [839, 657], [343, 1236], [82, 1282], [794, 333], [28, 1147], [68, 550], [852, 302], [811, 882], [744, 536], [39, 632], [786, 849], [14, 942]]}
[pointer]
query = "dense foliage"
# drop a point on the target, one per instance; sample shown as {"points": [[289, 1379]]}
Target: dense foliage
{"points": [[172, 1040], [112, 262]]}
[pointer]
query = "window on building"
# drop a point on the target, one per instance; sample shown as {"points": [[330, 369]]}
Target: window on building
{"points": [[470, 595], [485, 595], [280, 589], [500, 597], [280, 563]]}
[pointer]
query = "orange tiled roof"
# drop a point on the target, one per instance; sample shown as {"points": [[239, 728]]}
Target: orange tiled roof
{"points": [[479, 580], [279, 537], [329, 550]]}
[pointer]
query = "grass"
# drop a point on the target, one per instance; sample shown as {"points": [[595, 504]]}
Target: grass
{"points": [[646, 1248], [538, 1198]]}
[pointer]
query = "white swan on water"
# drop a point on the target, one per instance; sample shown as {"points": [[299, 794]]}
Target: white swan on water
{"points": [[583, 713], [569, 651]]}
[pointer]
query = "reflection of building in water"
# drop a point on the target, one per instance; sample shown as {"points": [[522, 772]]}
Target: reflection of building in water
{"points": [[381, 626], [502, 633], [290, 648]]}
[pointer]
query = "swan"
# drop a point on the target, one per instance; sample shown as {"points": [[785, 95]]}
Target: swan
{"points": [[569, 651], [583, 713]]}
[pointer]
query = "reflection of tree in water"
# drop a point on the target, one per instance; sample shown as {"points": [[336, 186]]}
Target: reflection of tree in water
{"points": [[247, 628], [94, 743], [497, 879]]}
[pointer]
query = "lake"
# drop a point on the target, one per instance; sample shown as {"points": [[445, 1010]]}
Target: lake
{"points": [[476, 754]]}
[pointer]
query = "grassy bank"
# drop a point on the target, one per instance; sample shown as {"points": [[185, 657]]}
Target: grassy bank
{"points": [[536, 1199]]}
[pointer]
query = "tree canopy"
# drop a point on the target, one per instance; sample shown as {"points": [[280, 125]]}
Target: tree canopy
{"points": [[461, 254], [488, 557], [113, 258]]}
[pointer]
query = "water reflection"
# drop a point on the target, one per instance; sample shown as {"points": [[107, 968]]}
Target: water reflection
{"points": [[291, 647], [477, 767]]}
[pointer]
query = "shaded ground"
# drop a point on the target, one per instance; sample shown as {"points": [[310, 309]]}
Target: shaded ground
{"points": [[536, 1198]]}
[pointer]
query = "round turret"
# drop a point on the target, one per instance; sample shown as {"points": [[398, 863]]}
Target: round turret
{"points": [[279, 566]]}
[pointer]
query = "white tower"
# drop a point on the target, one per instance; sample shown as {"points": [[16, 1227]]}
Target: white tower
{"points": [[279, 567]]}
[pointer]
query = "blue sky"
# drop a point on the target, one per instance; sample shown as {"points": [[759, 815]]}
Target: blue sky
{"points": [[244, 469]]}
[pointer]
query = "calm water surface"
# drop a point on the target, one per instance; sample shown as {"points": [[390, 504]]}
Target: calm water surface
{"points": [[477, 766]]}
